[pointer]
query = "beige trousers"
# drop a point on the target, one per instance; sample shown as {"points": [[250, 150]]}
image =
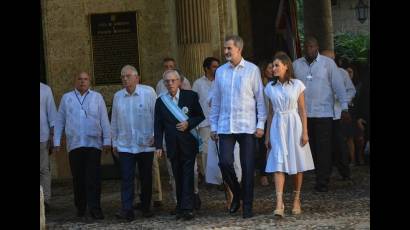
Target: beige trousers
{"points": [[205, 133], [45, 176]]}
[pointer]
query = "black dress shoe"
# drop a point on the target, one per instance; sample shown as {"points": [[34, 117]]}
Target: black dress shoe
{"points": [[96, 214], [197, 202], [125, 215], [188, 215], [234, 206]]}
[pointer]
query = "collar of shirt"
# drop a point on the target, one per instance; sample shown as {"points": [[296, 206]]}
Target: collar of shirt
{"points": [[286, 83], [317, 59], [272, 79], [207, 79], [241, 63], [176, 98], [79, 94], [134, 93]]}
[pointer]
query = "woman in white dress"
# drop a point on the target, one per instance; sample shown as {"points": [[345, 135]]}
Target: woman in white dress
{"points": [[288, 145]]}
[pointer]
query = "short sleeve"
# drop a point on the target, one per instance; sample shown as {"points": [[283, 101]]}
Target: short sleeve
{"points": [[300, 86]]}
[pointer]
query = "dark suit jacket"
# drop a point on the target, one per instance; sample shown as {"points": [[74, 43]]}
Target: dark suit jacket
{"points": [[166, 123]]}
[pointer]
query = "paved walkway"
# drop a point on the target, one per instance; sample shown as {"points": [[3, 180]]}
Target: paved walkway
{"points": [[345, 206]]}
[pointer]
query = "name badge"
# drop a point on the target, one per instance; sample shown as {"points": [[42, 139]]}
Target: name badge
{"points": [[83, 113], [309, 77]]}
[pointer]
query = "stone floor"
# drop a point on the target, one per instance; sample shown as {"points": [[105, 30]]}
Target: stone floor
{"points": [[345, 206]]}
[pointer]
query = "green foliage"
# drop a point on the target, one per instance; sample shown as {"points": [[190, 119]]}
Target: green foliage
{"points": [[354, 47]]}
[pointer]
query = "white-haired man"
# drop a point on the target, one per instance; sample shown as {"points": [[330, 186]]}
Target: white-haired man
{"points": [[177, 113], [132, 125]]}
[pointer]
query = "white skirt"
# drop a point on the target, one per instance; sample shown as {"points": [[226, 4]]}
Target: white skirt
{"points": [[213, 172]]}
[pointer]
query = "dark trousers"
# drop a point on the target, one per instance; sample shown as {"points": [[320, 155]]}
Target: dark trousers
{"points": [[340, 151], [247, 147], [85, 164], [320, 141], [128, 162], [261, 154], [183, 169]]}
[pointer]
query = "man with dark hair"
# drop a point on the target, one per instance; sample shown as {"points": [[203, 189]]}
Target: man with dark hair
{"points": [[238, 114], [322, 80], [203, 86], [169, 63]]}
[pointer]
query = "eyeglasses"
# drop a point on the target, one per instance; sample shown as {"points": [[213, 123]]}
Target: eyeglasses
{"points": [[170, 80], [127, 76]]}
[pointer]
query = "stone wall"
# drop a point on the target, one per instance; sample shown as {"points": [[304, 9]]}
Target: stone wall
{"points": [[344, 17], [67, 46]]}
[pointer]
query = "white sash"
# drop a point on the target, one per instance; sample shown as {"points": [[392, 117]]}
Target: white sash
{"points": [[179, 115]]}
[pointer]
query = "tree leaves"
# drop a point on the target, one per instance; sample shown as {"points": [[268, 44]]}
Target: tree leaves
{"points": [[353, 47]]}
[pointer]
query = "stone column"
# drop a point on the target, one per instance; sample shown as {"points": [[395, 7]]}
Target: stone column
{"points": [[194, 36], [228, 21], [318, 22]]}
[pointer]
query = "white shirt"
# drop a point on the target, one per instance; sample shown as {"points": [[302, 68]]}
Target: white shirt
{"points": [[174, 99], [85, 125], [350, 92], [132, 120], [48, 112], [203, 87], [237, 104], [160, 88], [322, 81]]}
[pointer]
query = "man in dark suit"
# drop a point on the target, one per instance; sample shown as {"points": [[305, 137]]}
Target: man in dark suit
{"points": [[177, 113]]}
